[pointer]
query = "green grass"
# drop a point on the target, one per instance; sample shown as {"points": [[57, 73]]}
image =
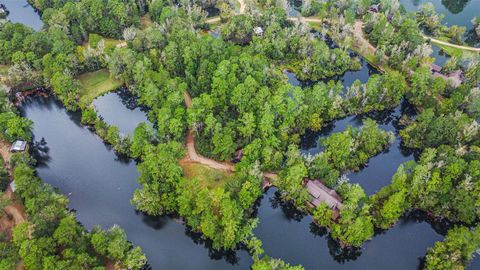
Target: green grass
{"points": [[110, 42], [208, 177], [94, 84], [458, 53]]}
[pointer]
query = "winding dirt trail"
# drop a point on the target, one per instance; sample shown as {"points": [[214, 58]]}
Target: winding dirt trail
{"points": [[242, 6], [15, 212], [193, 156], [358, 28]]}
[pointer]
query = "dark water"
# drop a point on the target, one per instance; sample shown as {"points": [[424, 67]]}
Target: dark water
{"points": [[401, 247], [294, 8], [441, 57], [288, 234], [120, 109], [379, 170], [346, 79], [101, 185], [382, 167], [22, 12], [459, 12]]}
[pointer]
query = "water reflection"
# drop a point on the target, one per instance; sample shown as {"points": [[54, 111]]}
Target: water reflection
{"points": [[22, 12], [441, 56], [100, 187], [299, 241], [459, 12], [121, 109], [379, 170]]}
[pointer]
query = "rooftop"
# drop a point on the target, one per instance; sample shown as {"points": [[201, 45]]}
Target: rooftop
{"points": [[321, 193], [18, 146]]}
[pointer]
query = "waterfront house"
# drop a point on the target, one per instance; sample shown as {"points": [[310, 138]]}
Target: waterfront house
{"points": [[320, 193], [18, 146]]}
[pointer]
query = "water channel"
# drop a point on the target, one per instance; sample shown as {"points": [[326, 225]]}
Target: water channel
{"points": [[100, 185]]}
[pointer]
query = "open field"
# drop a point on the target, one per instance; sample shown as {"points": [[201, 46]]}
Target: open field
{"points": [[208, 177], [94, 84]]}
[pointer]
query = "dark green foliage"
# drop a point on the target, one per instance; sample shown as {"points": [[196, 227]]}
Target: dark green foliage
{"points": [[379, 93], [215, 213], [430, 130], [455, 252], [160, 175], [350, 149], [14, 127], [4, 177], [89, 116], [444, 183], [52, 237]]}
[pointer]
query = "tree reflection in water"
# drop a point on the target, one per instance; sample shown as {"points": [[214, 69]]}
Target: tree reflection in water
{"points": [[455, 6]]}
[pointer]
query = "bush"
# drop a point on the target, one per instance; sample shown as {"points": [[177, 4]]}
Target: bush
{"points": [[93, 40], [89, 116], [14, 127], [4, 179]]}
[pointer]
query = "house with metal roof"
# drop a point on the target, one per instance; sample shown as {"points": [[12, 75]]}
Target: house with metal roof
{"points": [[320, 193], [18, 146]]}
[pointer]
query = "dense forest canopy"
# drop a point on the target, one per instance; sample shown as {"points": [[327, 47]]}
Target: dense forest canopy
{"points": [[241, 101]]}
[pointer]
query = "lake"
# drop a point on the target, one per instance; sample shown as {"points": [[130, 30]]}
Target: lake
{"points": [[76, 161], [459, 12], [101, 184], [288, 234], [22, 12], [120, 108]]}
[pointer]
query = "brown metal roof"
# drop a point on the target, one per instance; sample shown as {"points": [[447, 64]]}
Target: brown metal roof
{"points": [[320, 193]]}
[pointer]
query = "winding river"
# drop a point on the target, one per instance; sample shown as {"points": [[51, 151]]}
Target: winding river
{"points": [[100, 185]]}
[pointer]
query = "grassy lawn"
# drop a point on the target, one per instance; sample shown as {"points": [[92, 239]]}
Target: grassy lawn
{"points": [[94, 84], [110, 42], [208, 177], [458, 53]]}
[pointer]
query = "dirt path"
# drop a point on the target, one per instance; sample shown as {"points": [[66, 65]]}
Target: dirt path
{"points": [[242, 6], [5, 153], [305, 19], [465, 48], [193, 156], [15, 209], [213, 20], [15, 212], [358, 28]]}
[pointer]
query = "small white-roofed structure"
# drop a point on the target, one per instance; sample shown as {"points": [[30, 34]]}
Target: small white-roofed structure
{"points": [[13, 186], [18, 146], [258, 31]]}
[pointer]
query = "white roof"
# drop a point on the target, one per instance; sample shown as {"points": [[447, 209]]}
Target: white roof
{"points": [[13, 186], [258, 30], [18, 146]]}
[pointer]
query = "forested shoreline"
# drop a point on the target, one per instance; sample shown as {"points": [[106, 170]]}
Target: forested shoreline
{"points": [[243, 102]]}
